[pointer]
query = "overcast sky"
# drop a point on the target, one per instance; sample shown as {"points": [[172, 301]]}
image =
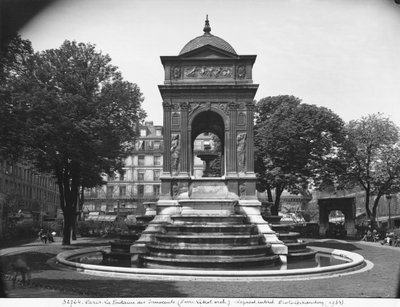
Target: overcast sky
{"points": [[341, 54]]}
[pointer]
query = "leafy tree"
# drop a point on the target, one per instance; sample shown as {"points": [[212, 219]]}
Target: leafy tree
{"points": [[14, 61], [371, 156], [80, 119], [295, 144]]}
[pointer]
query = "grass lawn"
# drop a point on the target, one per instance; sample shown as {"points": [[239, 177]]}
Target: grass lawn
{"points": [[381, 281]]}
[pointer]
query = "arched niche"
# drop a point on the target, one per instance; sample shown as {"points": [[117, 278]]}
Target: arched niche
{"points": [[210, 122]]}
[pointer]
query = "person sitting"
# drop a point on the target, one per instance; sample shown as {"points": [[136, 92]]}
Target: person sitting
{"points": [[388, 239], [42, 236], [367, 236], [50, 237], [375, 236]]}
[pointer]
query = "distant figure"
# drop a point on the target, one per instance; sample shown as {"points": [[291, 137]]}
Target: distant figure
{"points": [[42, 236], [20, 266], [49, 236], [175, 153], [367, 236], [241, 151]]}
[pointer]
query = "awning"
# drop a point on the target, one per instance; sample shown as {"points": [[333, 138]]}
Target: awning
{"points": [[102, 218]]}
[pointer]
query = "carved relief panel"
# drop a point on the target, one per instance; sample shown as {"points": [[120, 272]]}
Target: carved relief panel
{"points": [[241, 151], [175, 152], [241, 118], [176, 72], [208, 72], [176, 120], [241, 71]]}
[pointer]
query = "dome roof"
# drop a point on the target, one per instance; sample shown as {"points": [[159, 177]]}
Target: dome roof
{"points": [[207, 39]]}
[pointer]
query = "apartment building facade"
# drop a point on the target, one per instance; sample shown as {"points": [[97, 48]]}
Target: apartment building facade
{"points": [[26, 194], [140, 182]]}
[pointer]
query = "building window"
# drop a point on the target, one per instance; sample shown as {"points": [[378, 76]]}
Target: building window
{"points": [[143, 132], [122, 190], [157, 145], [140, 145], [140, 189], [157, 160], [140, 160], [110, 190], [156, 175], [141, 175], [158, 132], [121, 176], [156, 190]]}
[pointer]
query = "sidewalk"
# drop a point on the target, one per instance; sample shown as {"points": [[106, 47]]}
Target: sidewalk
{"points": [[52, 280]]}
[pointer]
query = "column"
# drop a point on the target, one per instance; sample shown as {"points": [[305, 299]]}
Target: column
{"points": [[184, 138], [250, 137], [167, 137], [231, 155]]}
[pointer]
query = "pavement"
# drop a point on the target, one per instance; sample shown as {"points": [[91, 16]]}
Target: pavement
{"points": [[51, 280]]}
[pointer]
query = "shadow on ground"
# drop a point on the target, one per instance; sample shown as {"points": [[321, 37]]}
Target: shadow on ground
{"points": [[120, 287], [335, 245], [35, 260]]}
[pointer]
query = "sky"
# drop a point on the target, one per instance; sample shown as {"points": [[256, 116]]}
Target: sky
{"points": [[340, 54]]}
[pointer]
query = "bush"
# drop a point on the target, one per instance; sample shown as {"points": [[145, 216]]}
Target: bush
{"points": [[97, 229]]}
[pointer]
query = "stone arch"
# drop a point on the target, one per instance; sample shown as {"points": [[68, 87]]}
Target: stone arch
{"points": [[207, 120], [202, 109], [346, 205]]}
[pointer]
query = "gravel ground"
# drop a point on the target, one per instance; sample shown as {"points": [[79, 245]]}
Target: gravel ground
{"points": [[50, 280]]}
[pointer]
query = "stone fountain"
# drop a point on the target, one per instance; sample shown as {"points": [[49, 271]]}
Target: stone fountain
{"points": [[210, 226]]}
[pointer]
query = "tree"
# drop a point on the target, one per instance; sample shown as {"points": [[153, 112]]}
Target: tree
{"points": [[80, 119], [295, 144], [371, 155], [14, 61]]}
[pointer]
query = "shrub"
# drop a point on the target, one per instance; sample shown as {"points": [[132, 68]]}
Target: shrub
{"points": [[97, 228]]}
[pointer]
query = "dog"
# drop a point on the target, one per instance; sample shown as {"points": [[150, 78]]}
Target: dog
{"points": [[20, 266]]}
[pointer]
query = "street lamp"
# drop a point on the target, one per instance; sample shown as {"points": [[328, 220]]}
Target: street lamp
{"points": [[389, 198]]}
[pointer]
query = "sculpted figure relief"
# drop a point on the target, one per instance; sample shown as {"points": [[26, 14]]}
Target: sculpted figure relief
{"points": [[241, 72], [241, 151], [207, 72], [176, 72], [175, 153]]}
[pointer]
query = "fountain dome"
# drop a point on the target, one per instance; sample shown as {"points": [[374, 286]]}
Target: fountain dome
{"points": [[207, 39]]}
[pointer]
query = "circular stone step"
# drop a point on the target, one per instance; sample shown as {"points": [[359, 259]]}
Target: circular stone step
{"points": [[201, 249], [280, 227], [289, 237], [206, 219], [295, 246], [211, 238], [219, 229], [209, 262]]}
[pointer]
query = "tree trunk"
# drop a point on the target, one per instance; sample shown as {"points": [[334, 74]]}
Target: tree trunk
{"points": [[269, 194], [68, 221], [275, 206], [374, 209], [368, 210], [74, 223]]}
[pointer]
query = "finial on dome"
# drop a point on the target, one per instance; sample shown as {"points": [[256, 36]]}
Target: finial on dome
{"points": [[207, 28]]}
